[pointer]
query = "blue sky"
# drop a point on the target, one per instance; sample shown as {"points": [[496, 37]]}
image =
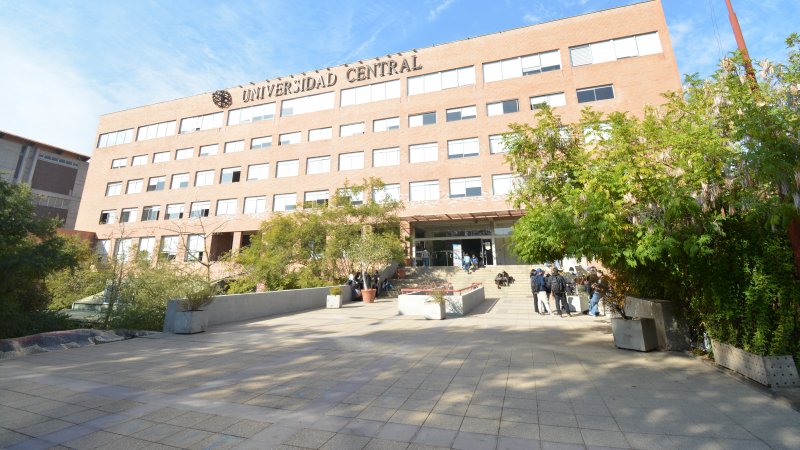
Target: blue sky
{"points": [[65, 63]]}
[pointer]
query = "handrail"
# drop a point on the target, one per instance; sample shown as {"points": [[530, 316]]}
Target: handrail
{"points": [[448, 289]]}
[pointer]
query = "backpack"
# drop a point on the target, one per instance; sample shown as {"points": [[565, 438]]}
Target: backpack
{"points": [[557, 284]]}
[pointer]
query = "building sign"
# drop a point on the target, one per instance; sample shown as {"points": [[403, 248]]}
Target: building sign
{"points": [[355, 74]]}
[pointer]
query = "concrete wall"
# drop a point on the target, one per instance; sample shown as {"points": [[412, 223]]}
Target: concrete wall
{"points": [[672, 332], [414, 304], [463, 304], [240, 307]]}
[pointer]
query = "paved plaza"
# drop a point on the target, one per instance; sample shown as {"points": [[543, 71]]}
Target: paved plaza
{"points": [[362, 377]]}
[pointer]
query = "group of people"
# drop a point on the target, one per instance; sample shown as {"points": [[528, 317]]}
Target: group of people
{"points": [[357, 284], [503, 279], [469, 263], [553, 284]]}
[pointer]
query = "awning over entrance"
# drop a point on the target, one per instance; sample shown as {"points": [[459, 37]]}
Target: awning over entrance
{"points": [[506, 214]]}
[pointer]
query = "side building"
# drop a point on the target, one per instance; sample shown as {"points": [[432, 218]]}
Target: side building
{"points": [[55, 175], [428, 122]]}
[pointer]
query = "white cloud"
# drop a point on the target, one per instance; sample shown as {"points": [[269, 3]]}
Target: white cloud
{"points": [[439, 9]]}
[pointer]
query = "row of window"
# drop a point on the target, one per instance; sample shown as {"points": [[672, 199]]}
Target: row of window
{"points": [[531, 64], [459, 148], [168, 248], [379, 125], [502, 184]]}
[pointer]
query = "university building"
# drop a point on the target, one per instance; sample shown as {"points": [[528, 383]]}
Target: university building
{"points": [[428, 122], [56, 176]]}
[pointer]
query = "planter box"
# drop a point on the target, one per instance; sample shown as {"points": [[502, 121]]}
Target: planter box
{"points": [[333, 301], [635, 334], [434, 310], [190, 322], [577, 304], [774, 371]]}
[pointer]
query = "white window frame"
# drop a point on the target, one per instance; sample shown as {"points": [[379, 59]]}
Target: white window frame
{"points": [[208, 150], [113, 188], [234, 146], [320, 134], [496, 144], [138, 160], [160, 157], [157, 130], [308, 104], [498, 108], [389, 192], [351, 129], [318, 164], [135, 186], [230, 175], [203, 178], [284, 202], [290, 138], [110, 217], [119, 163], [184, 153], [255, 205], [389, 123], [128, 215], [552, 100], [316, 199], [464, 113], [203, 122], [200, 209], [251, 114], [437, 81], [351, 161], [420, 153], [151, 209], [418, 120], [115, 138], [147, 244], [465, 187], [227, 207], [159, 183], [174, 208], [463, 148], [384, 157], [421, 191], [375, 92], [288, 168], [258, 172], [181, 179], [261, 142]]}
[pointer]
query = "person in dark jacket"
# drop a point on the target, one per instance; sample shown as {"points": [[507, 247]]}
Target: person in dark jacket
{"points": [[558, 286], [534, 290]]}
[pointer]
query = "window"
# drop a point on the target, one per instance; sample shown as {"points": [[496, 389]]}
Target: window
{"points": [[184, 153], [284, 202], [463, 113], [233, 147], [117, 163], [156, 184], [552, 100], [230, 175], [319, 134], [504, 107], [115, 138], [320, 164], [614, 49], [371, 93], [465, 187], [199, 209], [315, 199], [169, 247], [208, 150], [355, 198], [146, 245], [128, 215], [289, 138], [135, 186], [461, 148], [174, 211], [503, 184], [287, 168], [113, 189], [160, 157], [139, 160], [205, 122], [204, 178], [108, 216], [122, 249], [150, 213], [351, 129], [226, 207], [257, 172], [308, 104], [418, 120], [388, 193], [391, 123], [103, 249], [496, 144], [251, 114], [438, 81], [351, 161], [521, 66], [601, 133], [423, 190], [156, 131], [261, 142], [255, 205], [180, 181], [386, 157], [195, 247], [595, 93], [423, 152]]}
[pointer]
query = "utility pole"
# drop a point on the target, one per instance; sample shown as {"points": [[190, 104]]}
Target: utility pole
{"points": [[737, 33]]}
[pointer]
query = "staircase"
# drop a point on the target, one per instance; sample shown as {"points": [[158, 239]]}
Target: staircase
{"points": [[427, 277]]}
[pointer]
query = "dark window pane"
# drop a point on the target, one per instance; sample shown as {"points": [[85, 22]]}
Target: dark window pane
{"points": [[604, 93], [586, 96], [474, 192], [510, 106], [429, 119], [549, 68], [453, 115]]}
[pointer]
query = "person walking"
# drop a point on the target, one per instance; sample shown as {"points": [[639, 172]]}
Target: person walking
{"points": [[466, 262], [558, 286], [542, 295], [599, 288], [426, 257]]}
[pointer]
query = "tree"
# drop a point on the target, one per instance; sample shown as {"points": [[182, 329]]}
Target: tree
{"points": [[30, 249], [314, 246], [691, 202]]}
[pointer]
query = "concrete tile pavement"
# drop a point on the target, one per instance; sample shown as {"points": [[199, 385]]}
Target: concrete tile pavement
{"points": [[362, 377]]}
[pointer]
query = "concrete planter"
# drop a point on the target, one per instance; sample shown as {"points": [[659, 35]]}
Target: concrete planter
{"points": [[434, 310], [635, 334], [774, 371], [333, 301], [190, 322]]}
